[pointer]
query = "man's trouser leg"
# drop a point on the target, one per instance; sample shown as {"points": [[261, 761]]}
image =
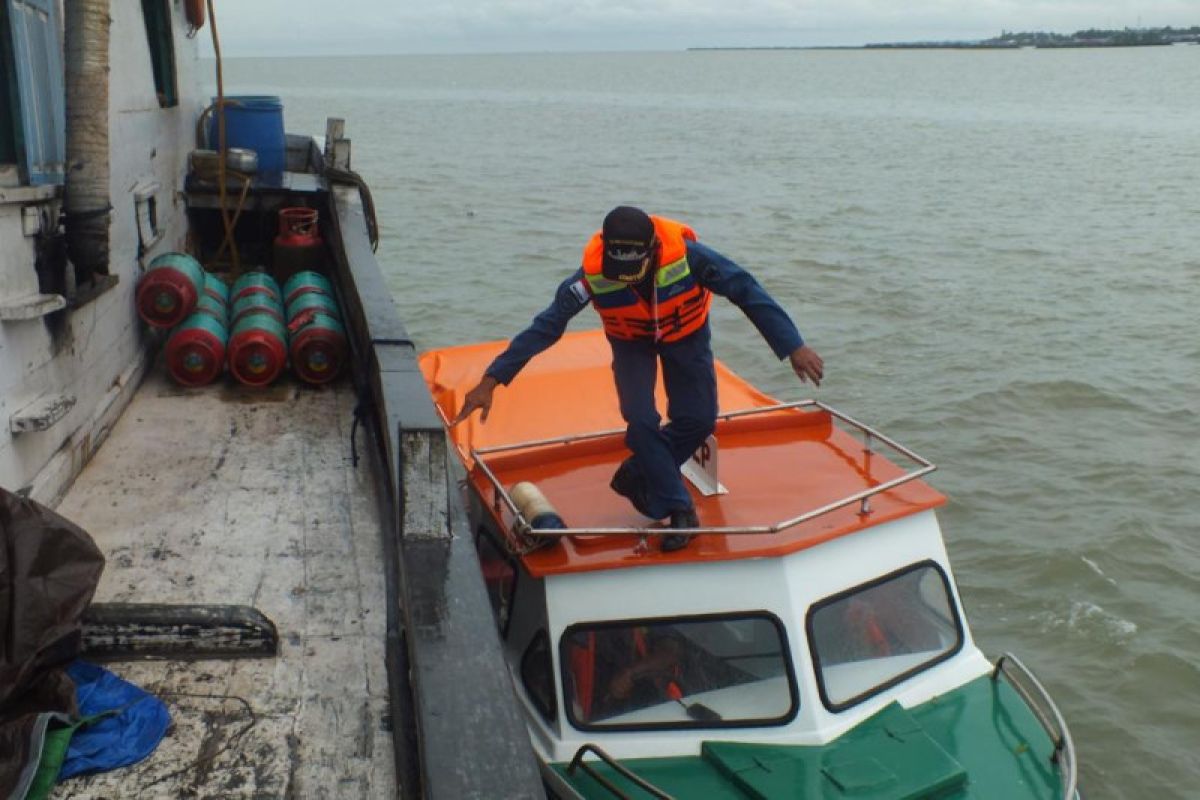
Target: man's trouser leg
{"points": [[691, 383], [635, 369]]}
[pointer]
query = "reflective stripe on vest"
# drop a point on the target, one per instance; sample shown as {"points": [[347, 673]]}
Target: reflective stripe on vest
{"points": [[679, 305]]}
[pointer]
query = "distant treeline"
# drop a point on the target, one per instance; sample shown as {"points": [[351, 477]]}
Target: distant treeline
{"points": [[1092, 37]]}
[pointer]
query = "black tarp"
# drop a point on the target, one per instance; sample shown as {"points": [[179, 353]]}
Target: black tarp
{"points": [[49, 569]]}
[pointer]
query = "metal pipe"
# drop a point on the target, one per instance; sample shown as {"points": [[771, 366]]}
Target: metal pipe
{"points": [[522, 525], [578, 763], [583, 437], [88, 204]]}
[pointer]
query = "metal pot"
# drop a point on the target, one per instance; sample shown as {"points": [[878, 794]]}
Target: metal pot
{"points": [[241, 159], [205, 163]]}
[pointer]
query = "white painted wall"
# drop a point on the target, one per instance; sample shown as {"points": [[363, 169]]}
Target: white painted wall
{"points": [[786, 587], [100, 353]]}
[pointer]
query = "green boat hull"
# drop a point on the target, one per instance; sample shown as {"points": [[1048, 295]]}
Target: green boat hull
{"points": [[979, 742]]}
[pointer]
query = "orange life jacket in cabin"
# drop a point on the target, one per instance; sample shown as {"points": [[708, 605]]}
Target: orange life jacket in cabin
{"points": [[678, 306]]}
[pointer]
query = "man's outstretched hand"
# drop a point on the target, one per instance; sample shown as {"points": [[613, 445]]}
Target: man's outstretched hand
{"points": [[806, 364], [478, 398]]}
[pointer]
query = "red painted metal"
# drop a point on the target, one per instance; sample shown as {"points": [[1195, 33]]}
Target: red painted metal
{"points": [[298, 246], [196, 350], [318, 346], [168, 291], [257, 349]]}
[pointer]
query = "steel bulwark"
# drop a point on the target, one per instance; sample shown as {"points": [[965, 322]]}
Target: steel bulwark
{"points": [[446, 661]]}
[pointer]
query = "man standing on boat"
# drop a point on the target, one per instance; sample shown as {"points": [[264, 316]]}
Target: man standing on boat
{"points": [[652, 283]]}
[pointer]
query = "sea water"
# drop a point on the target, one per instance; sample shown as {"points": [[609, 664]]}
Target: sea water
{"points": [[996, 252]]}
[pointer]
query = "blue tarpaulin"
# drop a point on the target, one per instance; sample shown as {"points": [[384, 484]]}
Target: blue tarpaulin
{"points": [[123, 724]]}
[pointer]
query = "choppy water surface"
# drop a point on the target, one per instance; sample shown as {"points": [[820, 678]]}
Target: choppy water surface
{"points": [[997, 253]]}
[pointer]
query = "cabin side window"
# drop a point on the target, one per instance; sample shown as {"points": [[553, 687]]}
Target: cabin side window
{"points": [[693, 672], [876, 635], [499, 577], [157, 14], [537, 675]]}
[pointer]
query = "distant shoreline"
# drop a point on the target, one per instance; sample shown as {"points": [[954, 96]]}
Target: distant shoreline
{"points": [[926, 46], [1030, 40]]}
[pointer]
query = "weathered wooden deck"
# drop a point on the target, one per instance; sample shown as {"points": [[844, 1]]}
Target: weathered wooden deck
{"points": [[227, 495]]}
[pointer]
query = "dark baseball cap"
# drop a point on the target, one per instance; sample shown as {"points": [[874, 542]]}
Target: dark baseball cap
{"points": [[628, 235]]}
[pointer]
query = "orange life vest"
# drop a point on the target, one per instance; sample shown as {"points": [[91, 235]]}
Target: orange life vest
{"points": [[677, 308]]}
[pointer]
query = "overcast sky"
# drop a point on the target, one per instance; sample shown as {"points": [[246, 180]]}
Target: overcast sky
{"points": [[348, 27]]}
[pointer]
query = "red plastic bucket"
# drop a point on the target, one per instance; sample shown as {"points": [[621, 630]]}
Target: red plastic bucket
{"points": [[196, 350], [168, 291]]}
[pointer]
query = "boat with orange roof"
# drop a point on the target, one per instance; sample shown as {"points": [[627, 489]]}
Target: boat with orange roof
{"points": [[809, 642]]}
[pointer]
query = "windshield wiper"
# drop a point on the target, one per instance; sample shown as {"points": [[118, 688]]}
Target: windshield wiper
{"points": [[696, 711], [701, 712]]}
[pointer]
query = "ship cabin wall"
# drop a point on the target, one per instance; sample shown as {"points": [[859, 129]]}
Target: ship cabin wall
{"points": [[95, 350], [785, 587]]}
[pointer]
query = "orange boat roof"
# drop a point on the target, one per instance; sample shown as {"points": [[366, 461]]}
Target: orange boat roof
{"points": [[777, 465]]}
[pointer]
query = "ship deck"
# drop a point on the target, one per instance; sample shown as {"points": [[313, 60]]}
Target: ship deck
{"points": [[226, 495]]}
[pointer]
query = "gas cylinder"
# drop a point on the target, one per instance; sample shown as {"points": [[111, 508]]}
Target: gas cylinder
{"points": [[196, 350], [168, 291], [317, 344], [255, 303], [207, 304], [298, 246], [216, 288], [255, 282], [312, 301], [257, 349], [307, 282]]}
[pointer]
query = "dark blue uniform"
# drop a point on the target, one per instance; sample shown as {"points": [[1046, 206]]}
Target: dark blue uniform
{"points": [[687, 371]]}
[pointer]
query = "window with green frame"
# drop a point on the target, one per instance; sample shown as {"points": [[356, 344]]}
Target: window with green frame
{"points": [[157, 14]]}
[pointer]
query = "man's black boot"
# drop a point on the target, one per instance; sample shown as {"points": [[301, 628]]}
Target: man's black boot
{"points": [[684, 518], [629, 484]]}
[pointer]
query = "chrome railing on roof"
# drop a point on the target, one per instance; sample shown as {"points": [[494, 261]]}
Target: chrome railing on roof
{"points": [[870, 437], [1038, 699]]}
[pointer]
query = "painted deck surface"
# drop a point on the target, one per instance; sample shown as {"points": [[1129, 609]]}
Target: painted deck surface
{"points": [[228, 495], [777, 466]]}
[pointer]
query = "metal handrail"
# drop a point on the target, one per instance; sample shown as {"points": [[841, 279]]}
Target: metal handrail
{"points": [[869, 434], [578, 763], [1050, 718]]}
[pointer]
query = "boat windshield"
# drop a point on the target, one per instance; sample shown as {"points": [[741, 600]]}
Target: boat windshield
{"points": [[692, 672], [872, 637]]}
